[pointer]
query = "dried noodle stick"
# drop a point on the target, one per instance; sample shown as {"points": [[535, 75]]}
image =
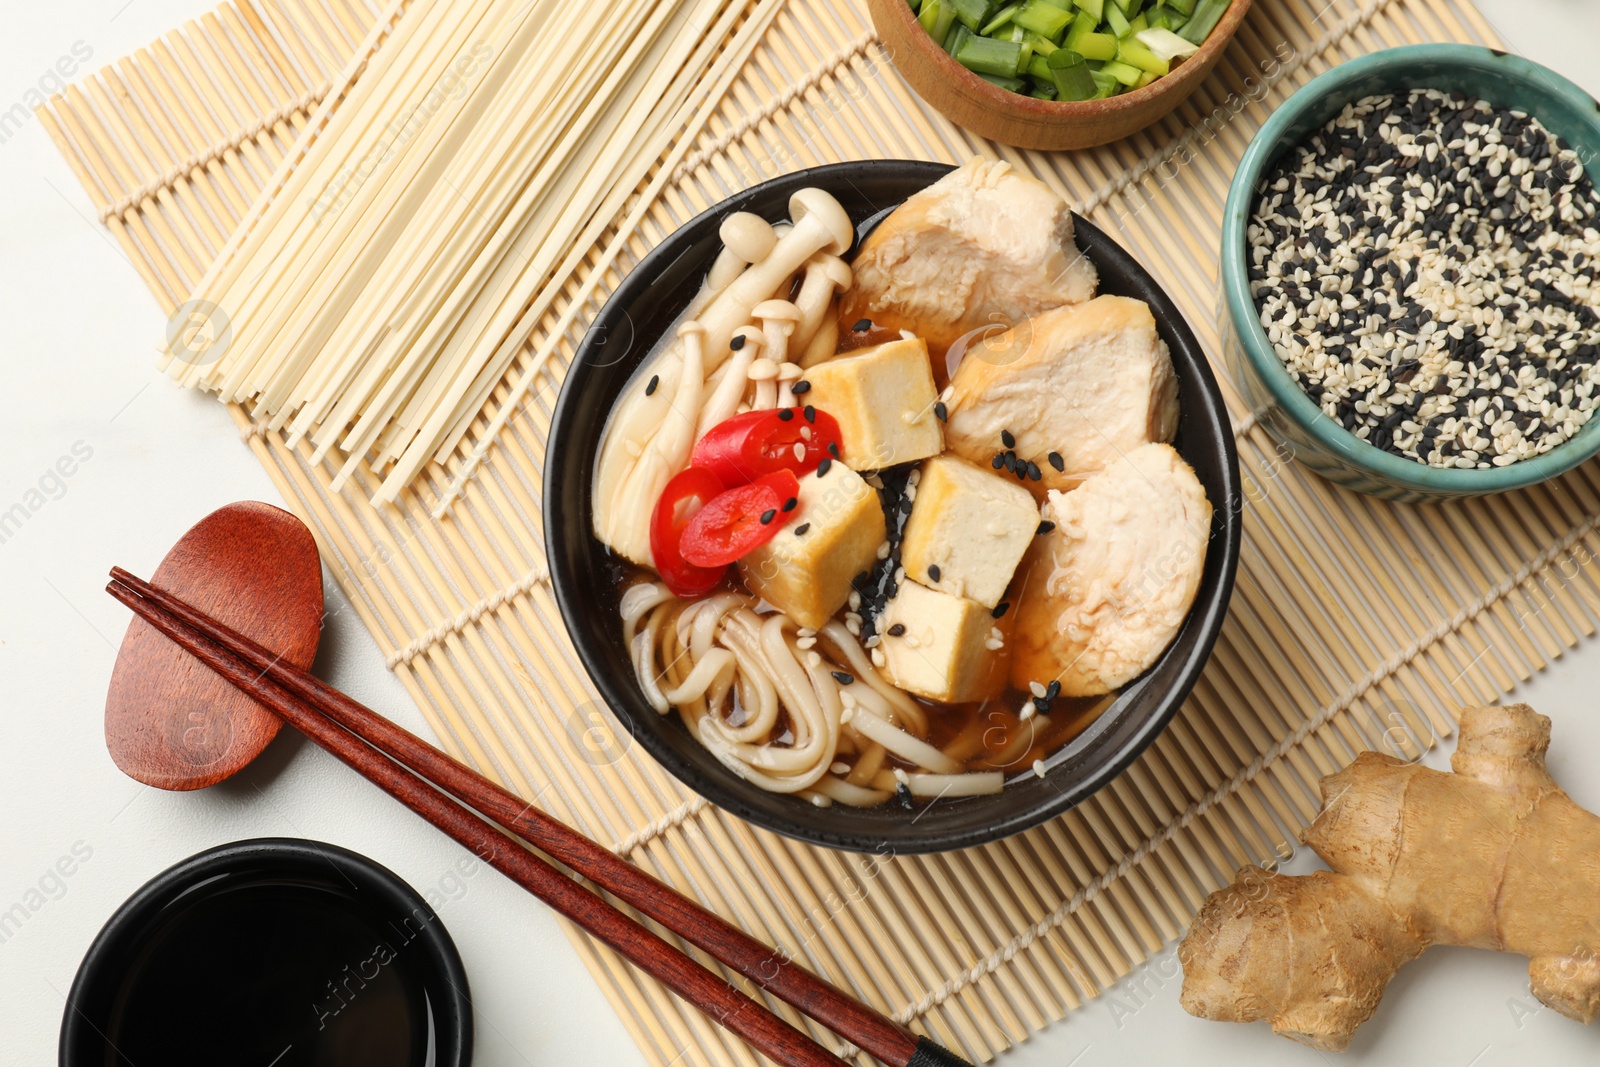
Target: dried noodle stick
{"points": [[451, 182]]}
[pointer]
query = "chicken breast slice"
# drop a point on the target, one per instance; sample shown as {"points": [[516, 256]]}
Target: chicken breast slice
{"points": [[1108, 589], [1088, 382], [980, 249]]}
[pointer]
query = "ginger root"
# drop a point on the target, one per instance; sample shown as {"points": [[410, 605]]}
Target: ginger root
{"points": [[1493, 856]]}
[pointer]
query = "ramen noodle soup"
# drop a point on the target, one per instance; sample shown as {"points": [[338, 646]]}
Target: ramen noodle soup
{"points": [[895, 529]]}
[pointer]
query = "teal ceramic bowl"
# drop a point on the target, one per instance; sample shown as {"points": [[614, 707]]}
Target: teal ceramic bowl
{"points": [[1314, 438]]}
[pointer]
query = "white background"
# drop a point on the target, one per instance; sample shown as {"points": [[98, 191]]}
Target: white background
{"points": [[77, 348]]}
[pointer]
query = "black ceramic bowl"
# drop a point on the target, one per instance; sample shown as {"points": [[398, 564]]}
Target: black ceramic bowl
{"points": [[276, 947], [643, 308]]}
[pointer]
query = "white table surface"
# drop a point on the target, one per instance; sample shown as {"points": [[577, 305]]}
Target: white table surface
{"points": [[77, 364]]}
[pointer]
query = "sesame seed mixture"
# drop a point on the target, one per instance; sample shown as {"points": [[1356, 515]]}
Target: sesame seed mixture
{"points": [[1425, 268]]}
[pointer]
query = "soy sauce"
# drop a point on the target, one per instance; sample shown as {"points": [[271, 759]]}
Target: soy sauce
{"points": [[274, 974]]}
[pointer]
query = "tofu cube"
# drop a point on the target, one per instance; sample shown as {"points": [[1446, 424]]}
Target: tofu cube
{"points": [[943, 652], [833, 536], [968, 526], [883, 398]]}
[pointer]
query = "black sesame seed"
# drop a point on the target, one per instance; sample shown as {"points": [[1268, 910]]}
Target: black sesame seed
{"points": [[786, 414], [1053, 690], [737, 343], [650, 386], [844, 677], [1045, 527], [810, 413], [998, 461], [789, 505], [768, 515], [1010, 459], [861, 326], [933, 571], [800, 388], [824, 467], [903, 792], [941, 412], [833, 449], [1033, 471], [1041, 705], [1007, 440], [897, 630], [802, 529], [1056, 461], [1000, 609]]}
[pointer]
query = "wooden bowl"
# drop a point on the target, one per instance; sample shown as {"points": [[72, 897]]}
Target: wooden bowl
{"points": [[1011, 118]]}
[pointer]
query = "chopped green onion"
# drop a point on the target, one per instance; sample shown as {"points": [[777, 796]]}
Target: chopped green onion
{"points": [[1020, 36], [1165, 18], [1083, 40], [1207, 14], [1010, 85], [984, 55], [1117, 22], [1042, 18], [1042, 46], [1131, 52], [937, 17], [1069, 50], [972, 13], [1165, 44], [1001, 17], [1074, 80], [1124, 73]]}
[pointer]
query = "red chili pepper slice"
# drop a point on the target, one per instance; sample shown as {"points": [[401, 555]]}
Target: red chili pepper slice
{"points": [[757, 443], [731, 526], [685, 496]]}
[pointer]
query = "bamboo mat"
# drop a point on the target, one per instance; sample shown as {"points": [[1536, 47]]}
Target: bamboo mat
{"points": [[1356, 624]]}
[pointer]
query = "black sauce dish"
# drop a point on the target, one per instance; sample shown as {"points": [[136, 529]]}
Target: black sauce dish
{"points": [[584, 573], [280, 951]]}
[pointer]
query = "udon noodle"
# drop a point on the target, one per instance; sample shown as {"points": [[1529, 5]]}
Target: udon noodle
{"points": [[738, 677]]}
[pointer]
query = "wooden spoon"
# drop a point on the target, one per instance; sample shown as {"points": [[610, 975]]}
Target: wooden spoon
{"points": [[172, 723]]}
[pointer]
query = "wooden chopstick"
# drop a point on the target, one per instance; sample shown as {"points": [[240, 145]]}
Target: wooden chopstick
{"points": [[374, 746], [720, 1000]]}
